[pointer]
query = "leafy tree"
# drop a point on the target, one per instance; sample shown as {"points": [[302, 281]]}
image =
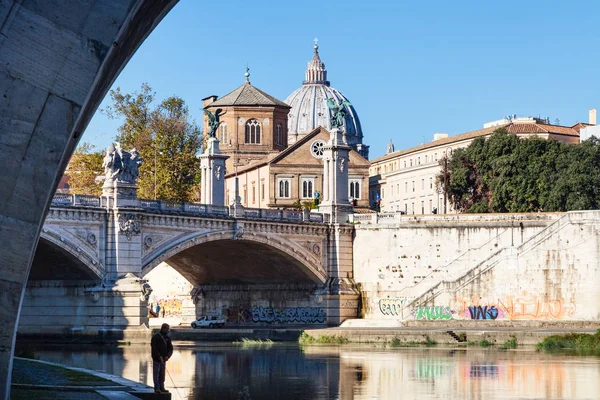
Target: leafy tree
{"points": [[166, 137], [506, 174], [85, 165]]}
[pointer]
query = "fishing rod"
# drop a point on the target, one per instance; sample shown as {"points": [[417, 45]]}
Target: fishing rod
{"points": [[173, 382]]}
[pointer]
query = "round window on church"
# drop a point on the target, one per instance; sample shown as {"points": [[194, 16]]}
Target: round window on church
{"points": [[316, 148]]}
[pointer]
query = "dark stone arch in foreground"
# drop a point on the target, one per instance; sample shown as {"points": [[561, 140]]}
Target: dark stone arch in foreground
{"points": [[57, 61]]}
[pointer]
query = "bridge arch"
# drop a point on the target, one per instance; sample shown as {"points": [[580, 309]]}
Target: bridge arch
{"points": [[270, 249], [76, 251]]}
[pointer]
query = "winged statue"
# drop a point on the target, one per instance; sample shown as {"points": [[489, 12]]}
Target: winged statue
{"points": [[214, 120], [338, 114]]}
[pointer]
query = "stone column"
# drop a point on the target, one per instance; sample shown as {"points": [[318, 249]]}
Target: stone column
{"points": [[335, 178], [212, 163]]}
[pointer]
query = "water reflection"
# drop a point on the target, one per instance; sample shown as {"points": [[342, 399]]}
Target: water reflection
{"points": [[288, 372]]}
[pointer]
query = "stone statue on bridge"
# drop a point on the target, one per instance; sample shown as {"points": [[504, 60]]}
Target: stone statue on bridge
{"points": [[120, 165], [214, 120], [338, 114]]}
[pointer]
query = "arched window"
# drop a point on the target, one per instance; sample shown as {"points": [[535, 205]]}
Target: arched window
{"points": [[279, 134], [355, 189], [307, 188], [284, 188], [223, 133], [253, 131]]}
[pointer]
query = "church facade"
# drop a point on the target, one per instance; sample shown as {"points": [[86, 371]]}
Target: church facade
{"points": [[275, 148]]}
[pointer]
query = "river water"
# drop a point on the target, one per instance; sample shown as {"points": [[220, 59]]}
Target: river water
{"points": [[290, 372]]}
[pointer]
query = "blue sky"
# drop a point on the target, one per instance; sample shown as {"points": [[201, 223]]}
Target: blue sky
{"points": [[410, 68]]}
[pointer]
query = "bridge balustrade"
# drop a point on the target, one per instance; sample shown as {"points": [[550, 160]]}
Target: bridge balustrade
{"points": [[164, 206], [63, 199]]}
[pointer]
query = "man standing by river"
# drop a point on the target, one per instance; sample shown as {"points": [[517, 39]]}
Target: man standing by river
{"points": [[162, 349]]}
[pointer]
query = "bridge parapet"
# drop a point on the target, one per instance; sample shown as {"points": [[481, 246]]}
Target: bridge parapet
{"points": [[197, 209]]}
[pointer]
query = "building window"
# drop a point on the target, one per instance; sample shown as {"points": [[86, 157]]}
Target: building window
{"points": [[308, 185], [405, 187], [253, 194], [279, 134], [227, 198], [253, 131], [262, 190], [284, 188], [404, 163], [411, 162], [430, 183], [223, 132], [398, 189], [405, 208], [419, 160], [412, 208], [435, 154], [422, 184], [244, 201], [422, 207], [413, 185], [430, 206], [425, 158], [355, 189]]}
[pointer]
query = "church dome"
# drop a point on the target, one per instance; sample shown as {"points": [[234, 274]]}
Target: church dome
{"points": [[310, 110]]}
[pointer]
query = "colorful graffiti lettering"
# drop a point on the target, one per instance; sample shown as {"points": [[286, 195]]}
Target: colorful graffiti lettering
{"points": [[433, 313], [484, 312], [392, 306], [306, 315], [524, 307]]}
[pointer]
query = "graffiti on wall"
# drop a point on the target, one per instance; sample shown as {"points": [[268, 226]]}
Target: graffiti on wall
{"points": [[237, 315], [433, 313], [305, 315], [523, 307], [484, 312], [169, 307], [392, 306]]}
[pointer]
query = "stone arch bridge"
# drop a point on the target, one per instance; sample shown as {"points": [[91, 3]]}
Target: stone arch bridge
{"points": [[92, 259]]}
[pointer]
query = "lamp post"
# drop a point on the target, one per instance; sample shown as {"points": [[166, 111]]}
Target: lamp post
{"points": [[155, 184], [235, 168]]}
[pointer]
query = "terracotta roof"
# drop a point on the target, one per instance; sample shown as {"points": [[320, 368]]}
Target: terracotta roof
{"points": [[248, 95], [512, 127]]}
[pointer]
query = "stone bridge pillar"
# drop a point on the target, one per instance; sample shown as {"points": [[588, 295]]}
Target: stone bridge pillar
{"points": [[340, 290], [212, 163]]}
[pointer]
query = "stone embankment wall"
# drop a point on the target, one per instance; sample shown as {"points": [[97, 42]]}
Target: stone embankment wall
{"points": [[480, 267]]}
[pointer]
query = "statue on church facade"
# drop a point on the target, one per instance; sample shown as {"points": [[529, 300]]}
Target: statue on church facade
{"points": [[120, 165], [338, 114], [214, 120]]}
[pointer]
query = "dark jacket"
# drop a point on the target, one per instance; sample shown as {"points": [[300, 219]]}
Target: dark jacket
{"points": [[161, 346]]}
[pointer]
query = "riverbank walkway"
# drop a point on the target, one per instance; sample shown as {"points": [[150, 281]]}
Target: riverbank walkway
{"points": [[41, 380]]}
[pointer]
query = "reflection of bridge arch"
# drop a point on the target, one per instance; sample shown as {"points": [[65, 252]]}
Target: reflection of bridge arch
{"points": [[76, 251], [275, 248]]}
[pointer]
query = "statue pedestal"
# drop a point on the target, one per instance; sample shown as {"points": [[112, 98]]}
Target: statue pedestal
{"points": [[120, 194], [335, 178], [212, 164]]}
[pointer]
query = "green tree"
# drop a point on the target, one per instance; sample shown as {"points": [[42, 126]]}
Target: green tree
{"points": [[85, 165], [166, 137], [507, 174]]}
